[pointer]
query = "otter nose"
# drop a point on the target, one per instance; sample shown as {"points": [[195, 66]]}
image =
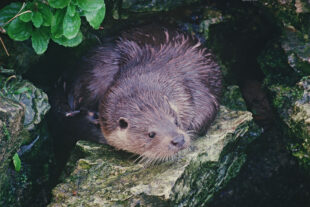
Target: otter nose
{"points": [[178, 141]]}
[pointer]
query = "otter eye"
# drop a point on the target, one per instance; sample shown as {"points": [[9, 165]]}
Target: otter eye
{"points": [[176, 122], [122, 124], [152, 134]]}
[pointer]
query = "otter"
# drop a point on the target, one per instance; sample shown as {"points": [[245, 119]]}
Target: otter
{"points": [[149, 92]]}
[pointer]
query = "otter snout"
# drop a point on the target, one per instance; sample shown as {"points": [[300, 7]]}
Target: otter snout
{"points": [[178, 141]]}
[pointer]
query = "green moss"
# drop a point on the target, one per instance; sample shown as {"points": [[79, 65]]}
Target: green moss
{"points": [[274, 64], [232, 98], [284, 97]]}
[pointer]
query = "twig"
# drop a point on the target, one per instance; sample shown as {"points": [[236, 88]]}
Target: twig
{"points": [[17, 15], [3, 45]]}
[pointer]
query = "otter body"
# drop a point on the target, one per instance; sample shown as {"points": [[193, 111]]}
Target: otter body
{"points": [[152, 88]]}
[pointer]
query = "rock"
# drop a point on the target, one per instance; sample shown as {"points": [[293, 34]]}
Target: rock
{"points": [[302, 6], [97, 175], [286, 64], [22, 55], [293, 106], [296, 46], [295, 31], [33, 99], [154, 5], [210, 16], [11, 125], [23, 106], [299, 124]]}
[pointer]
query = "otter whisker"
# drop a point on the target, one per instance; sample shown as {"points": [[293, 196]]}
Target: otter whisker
{"points": [[138, 159]]}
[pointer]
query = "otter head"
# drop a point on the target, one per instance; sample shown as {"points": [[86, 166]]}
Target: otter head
{"points": [[147, 126]]}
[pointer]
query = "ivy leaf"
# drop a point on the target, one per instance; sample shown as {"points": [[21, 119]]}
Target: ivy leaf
{"points": [[71, 25], [57, 23], [58, 4], [71, 10], [46, 13], [87, 5], [69, 42], [17, 163], [40, 39], [8, 12], [27, 16], [37, 19], [95, 18], [19, 30]]}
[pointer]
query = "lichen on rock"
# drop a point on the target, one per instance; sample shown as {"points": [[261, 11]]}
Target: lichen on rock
{"points": [[296, 45], [101, 176], [22, 107], [11, 125], [299, 124], [34, 100]]}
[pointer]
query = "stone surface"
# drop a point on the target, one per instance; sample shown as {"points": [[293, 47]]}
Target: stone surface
{"points": [[33, 99], [286, 65], [23, 106], [22, 55], [299, 124], [292, 103], [155, 5], [11, 124], [297, 48], [97, 175]]}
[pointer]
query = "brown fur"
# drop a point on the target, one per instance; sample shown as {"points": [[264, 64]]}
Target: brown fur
{"points": [[157, 80]]}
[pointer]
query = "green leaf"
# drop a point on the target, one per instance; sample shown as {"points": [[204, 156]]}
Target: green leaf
{"points": [[40, 39], [71, 25], [19, 30], [27, 16], [17, 163], [22, 90], [37, 19], [57, 23], [95, 17], [88, 5], [58, 4], [71, 10], [46, 13], [8, 12], [69, 42]]}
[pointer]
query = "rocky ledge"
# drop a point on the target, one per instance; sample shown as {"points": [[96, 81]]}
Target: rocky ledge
{"points": [[97, 175]]}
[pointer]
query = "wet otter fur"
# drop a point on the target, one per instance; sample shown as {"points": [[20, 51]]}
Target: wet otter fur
{"points": [[154, 88]]}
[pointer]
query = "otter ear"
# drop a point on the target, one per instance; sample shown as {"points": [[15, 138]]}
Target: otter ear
{"points": [[123, 123]]}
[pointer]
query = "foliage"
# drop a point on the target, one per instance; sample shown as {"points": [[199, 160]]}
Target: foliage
{"points": [[6, 91], [59, 20]]}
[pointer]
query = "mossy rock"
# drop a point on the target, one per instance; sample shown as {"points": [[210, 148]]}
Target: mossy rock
{"points": [[98, 175], [299, 124], [297, 48], [11, 125], [293, 106], [34, 100], [23, 106], [155, 5]]}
